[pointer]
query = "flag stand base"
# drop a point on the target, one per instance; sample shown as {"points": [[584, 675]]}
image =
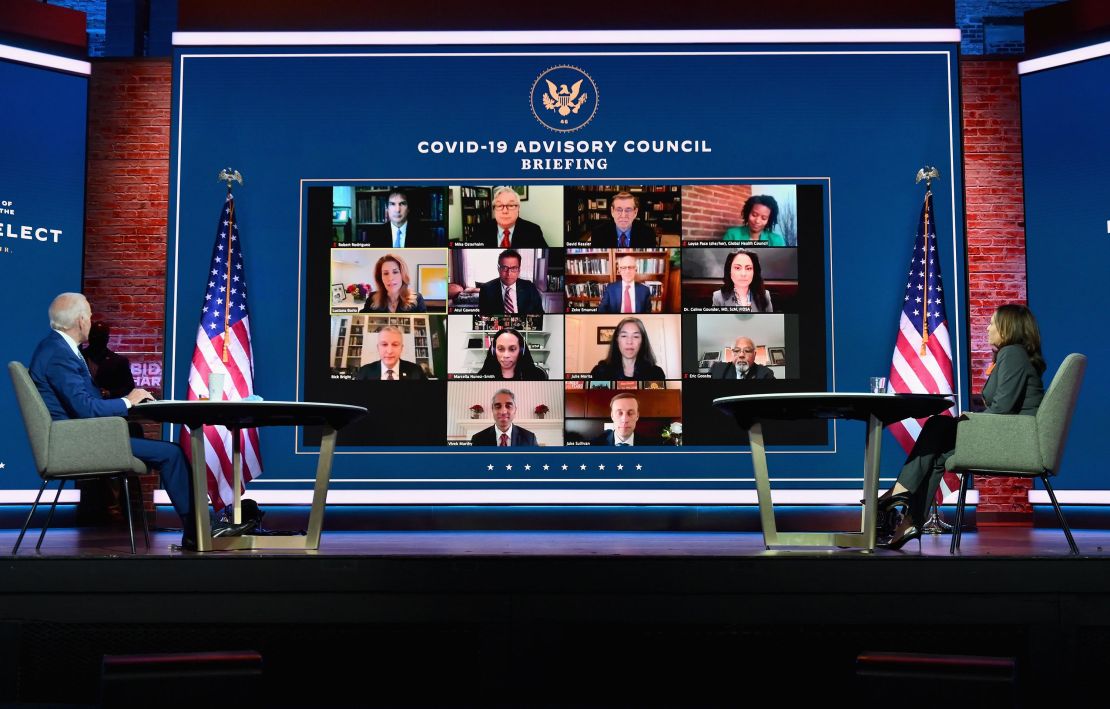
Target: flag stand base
{"points": [[936, 524]]}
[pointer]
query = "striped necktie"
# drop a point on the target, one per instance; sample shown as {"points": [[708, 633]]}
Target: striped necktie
{"points": [[510, 306]]}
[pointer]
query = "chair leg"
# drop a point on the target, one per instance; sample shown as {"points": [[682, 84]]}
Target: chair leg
{"points": [[127, 511], [30, 514], [142, 513], [958, 524], [50, 517], [1060, 515]]}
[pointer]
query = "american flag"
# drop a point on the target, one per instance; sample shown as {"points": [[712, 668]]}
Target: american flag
{"points": [[224, 345], [922, 362]]}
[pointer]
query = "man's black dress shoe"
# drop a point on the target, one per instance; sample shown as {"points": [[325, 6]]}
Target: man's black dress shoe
{"points": [[231, 529], [219, 529]]}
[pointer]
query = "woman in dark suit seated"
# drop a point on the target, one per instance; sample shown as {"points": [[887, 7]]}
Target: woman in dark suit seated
{"points": [[508, 357], [742, 284], [630, 355], [392, 294], [1013, 387]]}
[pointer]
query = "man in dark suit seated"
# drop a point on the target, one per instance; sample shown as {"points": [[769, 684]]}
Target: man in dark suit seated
{"points": [[624, 409], [625, 295], [624, 231], [398, 232], [743, 364], [503, 433], [390, 367], [508, 230], [67, 388], [509, 293]]}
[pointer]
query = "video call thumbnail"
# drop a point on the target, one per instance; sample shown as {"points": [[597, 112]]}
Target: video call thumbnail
{"points": [[499, 281], [638, 348], [388, 216], [746, 347], [748, 280], [621, 413], [531, 214], [365, 280], [740, 215], [505, 414], [623, 216], [622, 280], [406, 347], [505, 347]]}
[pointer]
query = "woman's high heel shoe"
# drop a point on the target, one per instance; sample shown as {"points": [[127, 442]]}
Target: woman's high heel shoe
{"points": [[889, 513], [907, 530]]}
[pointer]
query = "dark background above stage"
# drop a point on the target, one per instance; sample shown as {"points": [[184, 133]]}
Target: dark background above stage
{"points": [[322, 15]]}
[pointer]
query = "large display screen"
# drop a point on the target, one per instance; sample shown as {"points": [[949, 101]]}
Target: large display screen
{"points": [[684, 221], [667, 310]]}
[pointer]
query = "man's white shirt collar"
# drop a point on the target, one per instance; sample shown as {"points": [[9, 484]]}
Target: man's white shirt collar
{"points": [[630, 440], [71, 342]]}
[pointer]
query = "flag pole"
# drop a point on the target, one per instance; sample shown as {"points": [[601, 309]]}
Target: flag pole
{"points": [[228, 175], [935, 524], [926, 173]]}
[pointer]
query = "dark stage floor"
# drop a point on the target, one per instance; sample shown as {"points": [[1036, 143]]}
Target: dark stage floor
{"points": [[994, 542], [537, 618]]}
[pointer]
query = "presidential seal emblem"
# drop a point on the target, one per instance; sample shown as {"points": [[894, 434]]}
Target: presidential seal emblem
{"points": [[564, 98]]}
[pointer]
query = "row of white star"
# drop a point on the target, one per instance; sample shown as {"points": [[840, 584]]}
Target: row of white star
{"points": [[583, 466]]}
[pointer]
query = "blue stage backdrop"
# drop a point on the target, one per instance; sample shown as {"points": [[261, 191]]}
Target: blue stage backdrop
{"points": [[42, 210], [1065, 108], [320, 131]]}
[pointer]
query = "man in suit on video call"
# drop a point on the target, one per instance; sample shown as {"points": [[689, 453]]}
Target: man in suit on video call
{"points": [[508, 230], [503, 433], [624, 231], [398, 232], [509, 293], [624, 410], [625, 295], [390, 367], [743, 364]]}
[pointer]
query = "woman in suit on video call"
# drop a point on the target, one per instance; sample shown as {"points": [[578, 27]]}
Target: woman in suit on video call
{"points": [[508, 357], [630, 355], [392, 294], [742, 284]]}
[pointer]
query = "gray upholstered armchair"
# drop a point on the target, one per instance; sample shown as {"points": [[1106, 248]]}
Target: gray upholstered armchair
{"points": [[74, 449], [1020, 446]]}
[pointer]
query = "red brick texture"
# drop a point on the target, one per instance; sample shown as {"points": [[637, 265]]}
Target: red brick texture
{"points": [[126, 206], [991, 109], [128, 186], [707, 210]]}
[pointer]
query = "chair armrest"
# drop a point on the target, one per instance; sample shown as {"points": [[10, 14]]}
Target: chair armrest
{"points": [[90, 445], [1002, 442]]}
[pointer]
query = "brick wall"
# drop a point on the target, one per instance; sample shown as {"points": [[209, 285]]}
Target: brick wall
{"points": [[994, 196], [126, 207], [707, 210]]}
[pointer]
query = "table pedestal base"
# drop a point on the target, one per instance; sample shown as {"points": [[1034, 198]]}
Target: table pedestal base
{"points": [[863, 539], [205, 542]]}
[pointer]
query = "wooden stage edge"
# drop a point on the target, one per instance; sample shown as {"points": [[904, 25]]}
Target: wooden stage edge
{"points": [[460, 618]]}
